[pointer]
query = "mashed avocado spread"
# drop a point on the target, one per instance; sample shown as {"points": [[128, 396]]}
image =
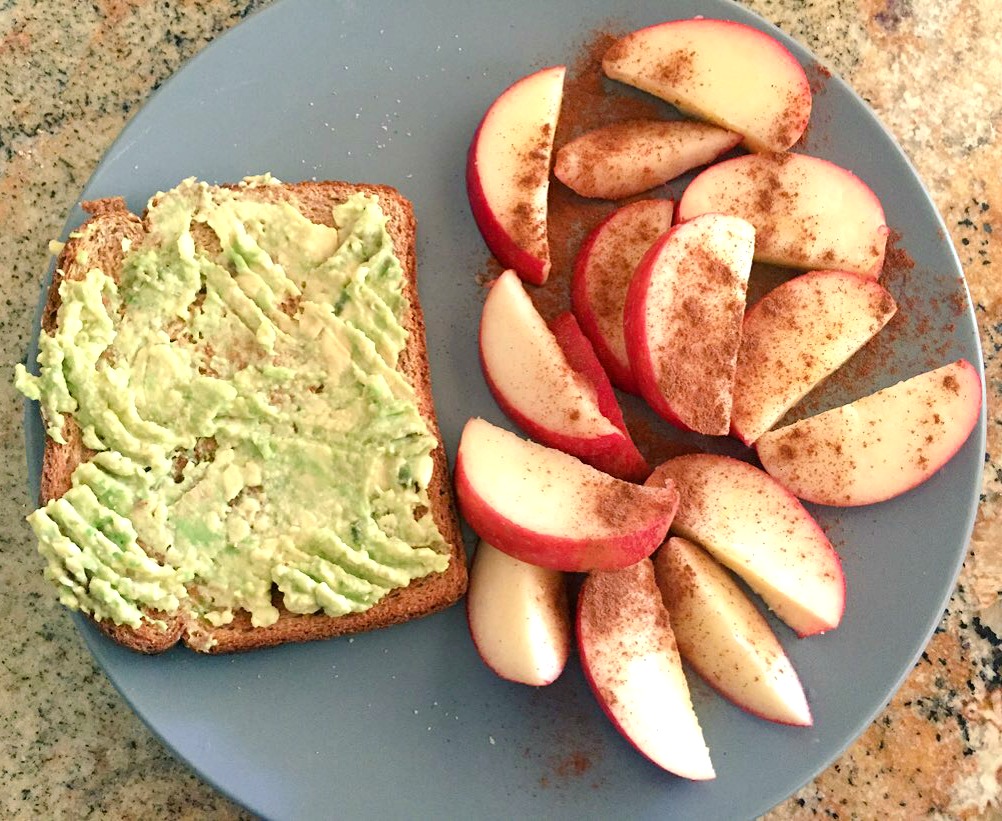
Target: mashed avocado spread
{"points": [[250, 423]]}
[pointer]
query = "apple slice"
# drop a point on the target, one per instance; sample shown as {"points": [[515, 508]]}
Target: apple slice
{"points": [[683, 318], [879, 446], [602, 274], [723, 636], [530, 377], [626, 462], [795, 336], [518, 617], [724, 72], [508, 172], [632, 665], [807, 212], [757, 528], [623, 159], [547, 508]]}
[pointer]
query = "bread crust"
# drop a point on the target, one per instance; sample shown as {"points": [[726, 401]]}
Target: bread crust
{"points": [[98, 243]]}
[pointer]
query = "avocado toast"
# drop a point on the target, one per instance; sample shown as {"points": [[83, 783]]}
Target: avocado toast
{"points": [[243, 449]]}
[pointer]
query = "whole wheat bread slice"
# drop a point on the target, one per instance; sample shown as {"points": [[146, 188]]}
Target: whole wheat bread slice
{"points": [[100, 240]]}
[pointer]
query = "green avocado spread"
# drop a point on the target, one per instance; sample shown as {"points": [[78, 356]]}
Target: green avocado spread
{"points": [[251, 427]]}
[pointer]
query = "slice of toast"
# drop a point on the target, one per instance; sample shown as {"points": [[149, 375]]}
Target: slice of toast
{"points": [[99, 243]]}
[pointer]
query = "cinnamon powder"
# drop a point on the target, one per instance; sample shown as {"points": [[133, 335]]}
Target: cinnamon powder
{"points": [[591, 100]]}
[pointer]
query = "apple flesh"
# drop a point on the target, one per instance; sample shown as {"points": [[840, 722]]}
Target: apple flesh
{"points": [[518, 617], [508, 172], [547, 508], [724, 637], [683, 316], [751, 524], [632, 664], [795, 336], [807, 212], [602, 273], [626, 158], [531, 379], [879, 446], [625, 462], [721, 71]]}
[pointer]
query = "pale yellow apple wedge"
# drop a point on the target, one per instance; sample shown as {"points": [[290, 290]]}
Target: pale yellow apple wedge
{"points": [[879, 446], [795, 336], [518, 617], [724, 637]]}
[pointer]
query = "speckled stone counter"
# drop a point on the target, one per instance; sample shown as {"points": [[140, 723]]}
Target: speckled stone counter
{"points": [[71, 75]]}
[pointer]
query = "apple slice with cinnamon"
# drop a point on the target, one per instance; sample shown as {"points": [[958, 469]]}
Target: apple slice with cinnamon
{"points": [[602, 274], [750, 523], [508, 172], [795, 336], [626, 158], [808, 213], [723, 636], [882, 444], [722, 71], [539, 390], [632, 664], [547, 508], [683, 320]]}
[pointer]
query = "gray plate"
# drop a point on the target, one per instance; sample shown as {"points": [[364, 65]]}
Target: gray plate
{"points": [[407, 722]]}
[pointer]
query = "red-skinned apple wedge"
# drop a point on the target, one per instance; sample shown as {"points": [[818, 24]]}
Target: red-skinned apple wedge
{"points": [[625, 462], [795, 336], [721, 71], [518, 616], [529, 375], [632, 664], [724, 637], [547, 508], [753, 525], [879, 446], [626, 158], [683, 316], [508, 172], [602, 273], [807, 212]]}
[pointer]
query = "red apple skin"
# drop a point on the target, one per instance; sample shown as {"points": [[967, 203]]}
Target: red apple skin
{"points": [[529, 267], [626, 462], [505, 248], [636, 339], [661, 213], [561, 552]]}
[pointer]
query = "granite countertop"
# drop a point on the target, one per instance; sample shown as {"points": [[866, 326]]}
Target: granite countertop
{"points": [[71, 75]]}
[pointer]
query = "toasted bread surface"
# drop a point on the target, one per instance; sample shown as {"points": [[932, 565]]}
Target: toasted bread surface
{"points": [[99, 243]]}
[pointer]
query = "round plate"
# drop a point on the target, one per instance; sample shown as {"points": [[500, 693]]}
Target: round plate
{"points": [[407, 722]]}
